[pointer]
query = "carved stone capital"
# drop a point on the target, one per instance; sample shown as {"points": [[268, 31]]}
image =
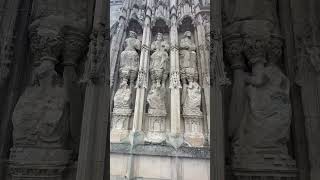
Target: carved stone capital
{"points": [[255, 49], [74, 46], [45, 42], [275, 46], [233, 51], [175, 80], [142, 79]]}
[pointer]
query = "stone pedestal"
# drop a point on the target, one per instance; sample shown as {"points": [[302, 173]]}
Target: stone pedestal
{"points": [[156, 128], [120, 125], [249, 174], [263, 165], [38, 164], [193, 134]]}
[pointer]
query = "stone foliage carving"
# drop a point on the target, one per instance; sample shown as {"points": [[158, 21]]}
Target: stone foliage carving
{"points": [[129, 62], [159, 61], [40, 116]]}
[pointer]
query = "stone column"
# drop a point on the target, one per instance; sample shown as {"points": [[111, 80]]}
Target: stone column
{"points": [[92, 162], [142, 81], [203, 64], [175, 138], [117, 41], [218, 81], [8, 13]]}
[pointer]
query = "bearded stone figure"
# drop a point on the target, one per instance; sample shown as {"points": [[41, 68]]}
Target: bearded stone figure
{"points": [[156, 101], [40, 116], [129, 62], [159, 61], [264, 131], [188, 65]]}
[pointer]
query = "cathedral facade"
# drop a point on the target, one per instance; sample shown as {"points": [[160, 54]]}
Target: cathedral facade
{"points": [[159, 90]]}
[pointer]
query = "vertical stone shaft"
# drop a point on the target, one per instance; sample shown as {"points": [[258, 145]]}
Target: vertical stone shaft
{"points": [[91, 161], [297, 112], [116, 43], [219, 80], [174, 72], [203, 65], [143, 72]]}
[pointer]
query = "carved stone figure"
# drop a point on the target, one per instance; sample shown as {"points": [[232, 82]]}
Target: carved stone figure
{"points": [[264, 131], [122, 98], [156, 101], [188, 65], [129, 62], [159, 61], [40, 117], [192, 101], [309, 80]]}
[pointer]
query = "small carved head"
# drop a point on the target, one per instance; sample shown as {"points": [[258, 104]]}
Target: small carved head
{"points": [[132, 34], [46, 68], [159, 36], [187, 34]]}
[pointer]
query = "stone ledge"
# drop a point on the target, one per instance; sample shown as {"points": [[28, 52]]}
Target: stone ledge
{"points": [[161, 150]]}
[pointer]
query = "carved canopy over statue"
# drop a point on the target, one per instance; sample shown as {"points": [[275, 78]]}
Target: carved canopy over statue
{"points": [[159, 61], [252, 16], [129, 62]]}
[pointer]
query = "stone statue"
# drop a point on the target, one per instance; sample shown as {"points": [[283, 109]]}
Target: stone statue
{"points": [[40, 117], [156, 101], [192, 101], [129, 62], [188, 65], [122, 98], [159, 61], [308, 78], [264, 131]]}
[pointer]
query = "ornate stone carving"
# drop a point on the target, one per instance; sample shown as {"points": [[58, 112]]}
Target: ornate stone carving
{"points": [[264, 131], [159, 61], [122, 98], [175, 80], [40, 117], [142, 79], [156, 101], [188, 65], [129, 62], [192, 101]]}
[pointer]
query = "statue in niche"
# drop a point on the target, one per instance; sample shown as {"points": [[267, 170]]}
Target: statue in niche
{"points": [[159, 61], [188, 65], [156, 101], [192, 99], [41, 114], [122, 97], [267, 117], [129, 60]]}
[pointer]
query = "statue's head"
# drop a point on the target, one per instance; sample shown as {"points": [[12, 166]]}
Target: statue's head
{"points": [[132, 34], [46, 68], [159, 36], [187, 34]]}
